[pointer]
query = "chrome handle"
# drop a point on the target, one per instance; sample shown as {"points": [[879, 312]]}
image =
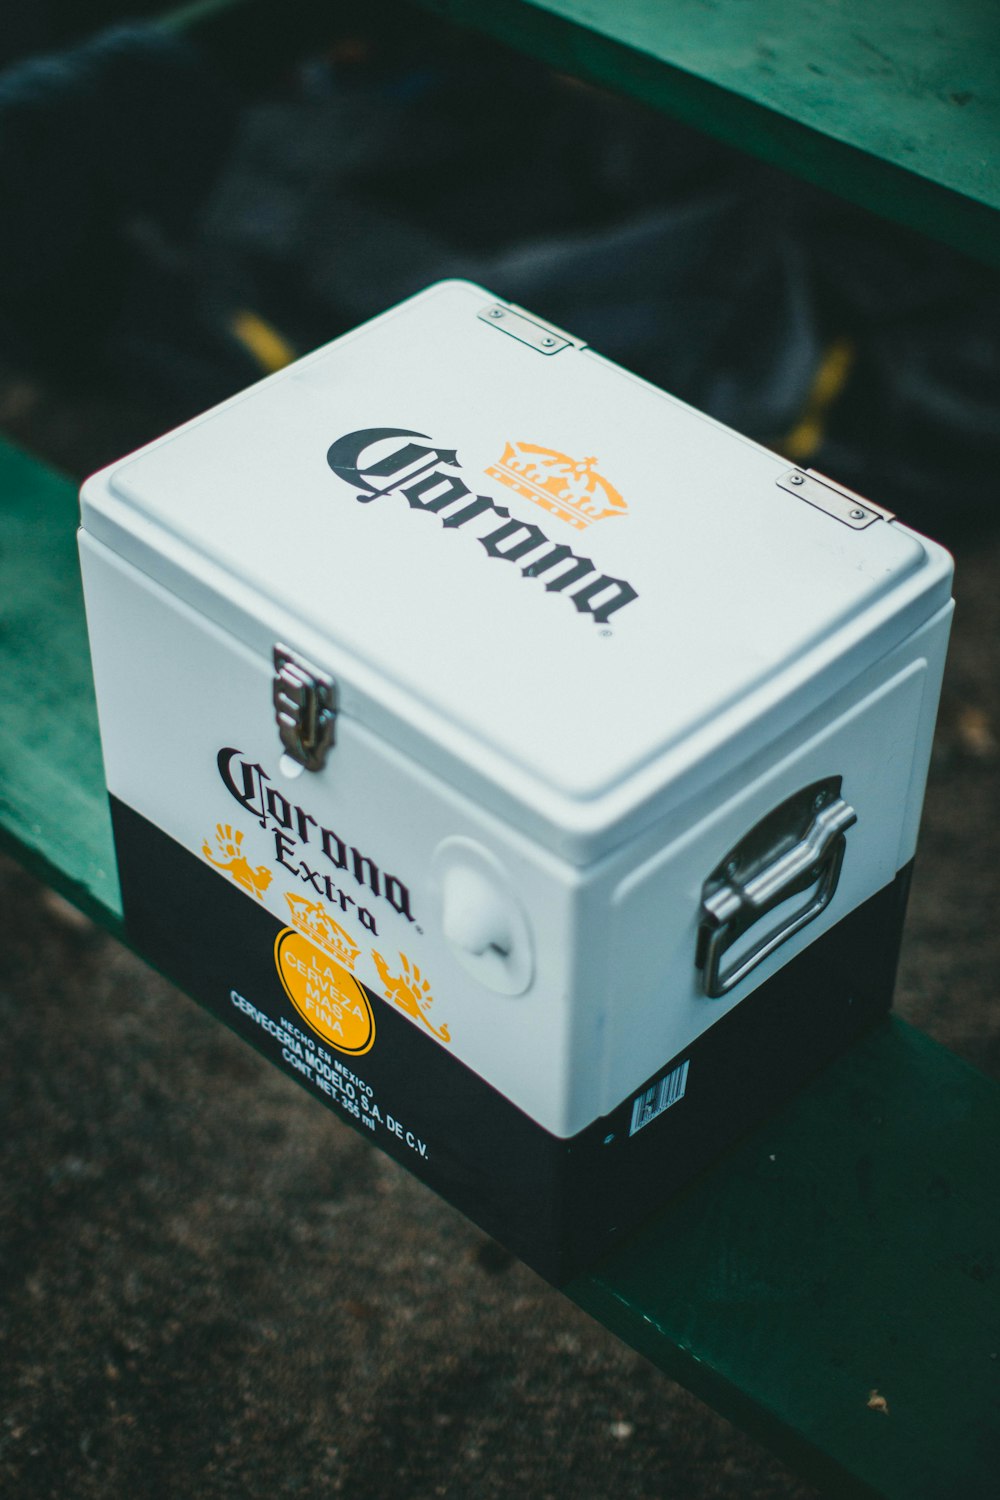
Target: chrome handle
{"points": [[799, 846]]}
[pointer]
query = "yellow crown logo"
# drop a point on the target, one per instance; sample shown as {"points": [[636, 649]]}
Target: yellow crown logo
{"points": [[570, 488], [315, 922]]}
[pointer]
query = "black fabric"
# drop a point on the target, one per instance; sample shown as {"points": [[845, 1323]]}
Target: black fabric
{"points": [[98, 145]]}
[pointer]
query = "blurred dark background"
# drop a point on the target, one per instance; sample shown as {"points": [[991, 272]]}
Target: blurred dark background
{"points": [[206, 1284], [186, 206]]}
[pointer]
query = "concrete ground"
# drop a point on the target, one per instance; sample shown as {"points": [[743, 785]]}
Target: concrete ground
{"points": [[209, 1286]]}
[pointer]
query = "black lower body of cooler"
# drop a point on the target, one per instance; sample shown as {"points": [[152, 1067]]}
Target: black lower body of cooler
{"points": [[558, 1204]]}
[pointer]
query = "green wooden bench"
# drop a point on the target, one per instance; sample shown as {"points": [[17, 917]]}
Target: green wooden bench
{"points": [[848, 1247], [830, 1285], [892, 105]]}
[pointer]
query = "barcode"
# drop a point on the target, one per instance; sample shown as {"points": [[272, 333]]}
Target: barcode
{"points": [[660, 1096]]}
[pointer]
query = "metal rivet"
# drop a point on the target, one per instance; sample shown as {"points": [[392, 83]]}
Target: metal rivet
{"points": [[548, 341], [796, 479], [857, 514], [496, 312]]}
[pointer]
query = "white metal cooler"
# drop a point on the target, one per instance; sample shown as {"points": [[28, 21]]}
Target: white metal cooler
{"points": [[525, 762]]}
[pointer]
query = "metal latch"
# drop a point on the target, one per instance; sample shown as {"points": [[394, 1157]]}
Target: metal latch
{"points": [[305, 706], [797, 847]]}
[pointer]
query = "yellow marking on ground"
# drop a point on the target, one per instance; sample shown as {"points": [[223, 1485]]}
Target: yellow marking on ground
{"points": [[831, 376], [269, 348]]}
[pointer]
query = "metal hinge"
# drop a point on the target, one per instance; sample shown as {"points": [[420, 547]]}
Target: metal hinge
{"points": [[305, 707], [843, 504], [542, 337]]}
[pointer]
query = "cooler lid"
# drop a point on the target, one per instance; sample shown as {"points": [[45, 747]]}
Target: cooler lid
{"points": [[530, 570]]}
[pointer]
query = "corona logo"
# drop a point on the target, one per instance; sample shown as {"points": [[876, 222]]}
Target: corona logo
{"points": [[314, 922], [314, 960], [570, 488], [298, 838], [376, 462]]}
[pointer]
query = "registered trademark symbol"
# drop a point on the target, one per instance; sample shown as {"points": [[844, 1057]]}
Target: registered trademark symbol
{"points": [[607, 632]]}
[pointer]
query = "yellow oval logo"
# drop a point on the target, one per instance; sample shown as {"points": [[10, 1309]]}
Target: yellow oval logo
{"points": [[326, 995]]}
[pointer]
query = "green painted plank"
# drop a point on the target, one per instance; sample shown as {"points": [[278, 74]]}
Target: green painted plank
{"points": [[895, 106], [53, 806], [849, 1245]]}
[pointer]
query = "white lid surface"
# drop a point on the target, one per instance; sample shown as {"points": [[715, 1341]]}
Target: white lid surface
{"points": [[738, 583]]}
